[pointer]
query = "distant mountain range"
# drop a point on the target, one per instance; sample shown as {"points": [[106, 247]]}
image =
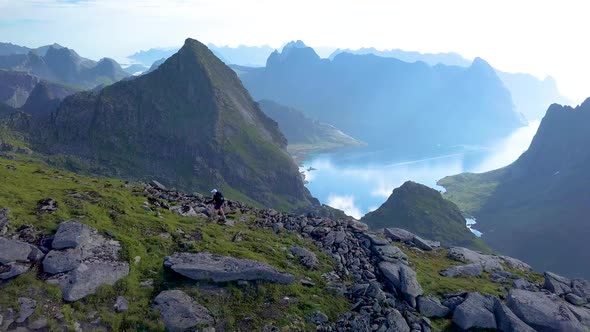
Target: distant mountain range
{"points": [[423, 211], [530, 95], [537, 208], [190, 124], [63, 65], [254, 56], [388, 102], [432, 59]]}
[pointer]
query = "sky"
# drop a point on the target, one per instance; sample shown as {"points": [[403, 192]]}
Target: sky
{"points": [[533, 36]]}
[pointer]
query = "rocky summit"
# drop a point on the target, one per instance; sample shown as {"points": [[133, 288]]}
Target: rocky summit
{"points": [[132, 260], [188, 124]]}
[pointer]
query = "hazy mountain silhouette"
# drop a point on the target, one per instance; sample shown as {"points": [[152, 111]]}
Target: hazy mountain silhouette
{"points": [[64, 65], [385, 101], [449, 59]]}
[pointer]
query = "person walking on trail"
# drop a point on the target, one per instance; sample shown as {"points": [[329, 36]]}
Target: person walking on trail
{"points": [[218, 201]]}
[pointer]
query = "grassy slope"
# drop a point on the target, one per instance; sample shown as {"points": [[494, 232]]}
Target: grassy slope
{"points": [[110, 206], [470, 191]]}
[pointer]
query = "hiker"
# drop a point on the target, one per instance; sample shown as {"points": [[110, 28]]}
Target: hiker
{"points": [[218, 201]]}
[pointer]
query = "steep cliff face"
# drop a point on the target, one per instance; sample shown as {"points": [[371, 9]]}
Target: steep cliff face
{"points": [[189, 123], [537, 208]]}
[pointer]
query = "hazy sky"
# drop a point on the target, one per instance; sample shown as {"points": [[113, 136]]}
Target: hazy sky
{"points": [[535, 36]]}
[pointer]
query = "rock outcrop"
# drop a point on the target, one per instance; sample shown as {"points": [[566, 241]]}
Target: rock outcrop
{"points": [[180, 312], [16, 257], [217, 268], [82, 260]]}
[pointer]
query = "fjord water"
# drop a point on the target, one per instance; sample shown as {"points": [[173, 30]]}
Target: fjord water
{"points": [[359, 180]]}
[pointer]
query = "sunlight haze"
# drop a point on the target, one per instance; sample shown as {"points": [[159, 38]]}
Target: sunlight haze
{"points": [[537, 37]]}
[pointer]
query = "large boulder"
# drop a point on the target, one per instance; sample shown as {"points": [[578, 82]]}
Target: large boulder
{"points": [[475, 312], [400, 235], [180, 312], [86, 279], [88, 259], [207, 266], [469, 270], [306, 257], [14, 251], [507, 321], [403, 279], [12, 270], [490, 263], [389, 253], [424, 244], [71, 234], [58, 261], [543, 312], [557, 284], [430, 306], [396, 322], [581, 288]]}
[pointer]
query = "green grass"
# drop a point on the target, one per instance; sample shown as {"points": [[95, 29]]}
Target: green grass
{"points": [[428, 265], [111, 206], [470, 191]]}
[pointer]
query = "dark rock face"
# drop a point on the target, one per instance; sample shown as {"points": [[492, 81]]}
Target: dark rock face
{"points": [[543, 312], [206, 266], [180, 312], [475, 312], [47, 205], [150, 131], [548, 182]]}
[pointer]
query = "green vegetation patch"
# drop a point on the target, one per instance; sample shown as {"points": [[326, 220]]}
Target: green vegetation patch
{"points": [[147, 236]]}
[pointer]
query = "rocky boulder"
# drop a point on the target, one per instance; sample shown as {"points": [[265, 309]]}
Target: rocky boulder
{"points": [[475, 312], [16, 257], [403, 279], [507, 321], [543, 312], [71, 234], [88, 259], [399, 235], [430, 306], [490, 263], [207, 266], [306, 257], [389, 253], [86, 279], [58, 261], [469, 270], [557, 284], [180, 312], [581, 288], [15, 251]]}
